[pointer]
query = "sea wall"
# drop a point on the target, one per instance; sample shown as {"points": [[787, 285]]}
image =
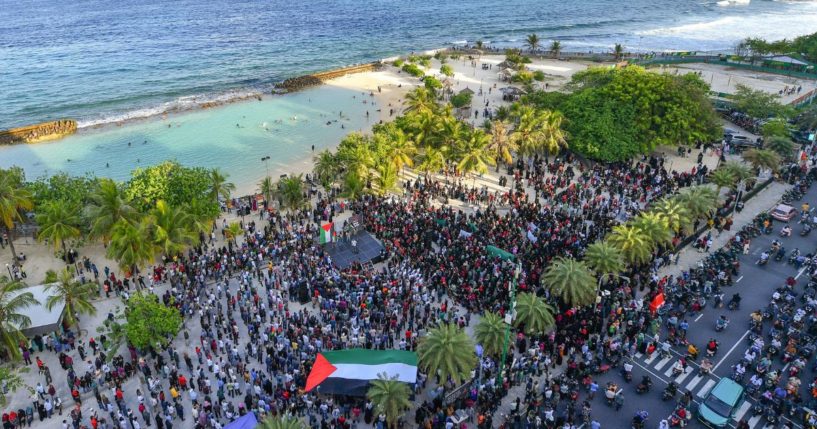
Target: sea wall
{"points": [[38, 132], [301, 82]]}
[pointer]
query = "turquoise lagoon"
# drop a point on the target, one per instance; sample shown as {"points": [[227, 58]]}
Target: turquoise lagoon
{"points": [[233, 137]]}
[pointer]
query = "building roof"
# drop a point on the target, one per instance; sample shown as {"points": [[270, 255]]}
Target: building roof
{"points": [[43, 320], [786, 59]]}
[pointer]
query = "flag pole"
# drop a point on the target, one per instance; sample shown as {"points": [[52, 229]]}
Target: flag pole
{"points": [[508, 321]]}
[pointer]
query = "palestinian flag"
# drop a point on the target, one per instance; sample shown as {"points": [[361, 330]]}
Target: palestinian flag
{"points": [[348, 372], [327, 233]]}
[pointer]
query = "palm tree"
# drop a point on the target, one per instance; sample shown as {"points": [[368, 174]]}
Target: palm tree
{"points": [[555, 48], [107, 206], [282, 422], [618, 51], [401, 149], [501, 145], [13, 199], [538, 131], [75, 295], [132, 244], [700, 201], [722, 178], [352, 185], [449, 132], [782, 146], [762, 159], [570, 280], [474, 154], [421, 101], [655, 227], [356, 156], [326, 169], [172, 229], [604, 258], [490, 333], [201, 215], [533, 42], [739, 170], [479, 44], [433, 160], [12, 300], [291, 192], [267, 187], [219, 186], [447, 351], [233, 231], [386, 177], [675, 212], [634, 245], [533, 313], [59, 222], [390, 397], [553, 137]]}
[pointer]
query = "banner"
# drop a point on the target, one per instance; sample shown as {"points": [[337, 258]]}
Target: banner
{"points": [[327, 233]]}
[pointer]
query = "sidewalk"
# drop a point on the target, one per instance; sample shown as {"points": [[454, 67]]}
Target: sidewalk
{"points": [[763, 201]]}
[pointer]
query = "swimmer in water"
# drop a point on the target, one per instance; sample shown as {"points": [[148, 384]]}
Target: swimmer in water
{"points": [[107, 165], [128, 144]]}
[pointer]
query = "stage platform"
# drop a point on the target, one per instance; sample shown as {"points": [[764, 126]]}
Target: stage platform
{"points": [[368, 249]]}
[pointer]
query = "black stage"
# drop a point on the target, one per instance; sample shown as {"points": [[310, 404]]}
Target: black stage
{"points": [[368, 249]]}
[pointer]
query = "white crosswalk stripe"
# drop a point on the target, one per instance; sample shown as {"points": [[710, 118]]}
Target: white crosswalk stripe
{"points": [[680, 379], [668, 373], [662, 362], [754, 421], [691, 385], [638, 355], [651, 358], [742, 410], [709, 384]]}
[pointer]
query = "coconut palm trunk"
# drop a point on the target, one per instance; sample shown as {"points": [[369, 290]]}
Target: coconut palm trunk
{"points": [[9, 234]]}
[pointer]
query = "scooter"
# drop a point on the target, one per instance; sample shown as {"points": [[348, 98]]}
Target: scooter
{"points": [[721, 324], [670, 391], [780, 254], [805, 231], [644, 386]]}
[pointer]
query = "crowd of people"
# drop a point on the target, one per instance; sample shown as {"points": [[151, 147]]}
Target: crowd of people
{"points": [[258, 310]]}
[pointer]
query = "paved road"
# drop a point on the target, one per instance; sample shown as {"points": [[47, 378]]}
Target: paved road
{"points": [[756, 285]]}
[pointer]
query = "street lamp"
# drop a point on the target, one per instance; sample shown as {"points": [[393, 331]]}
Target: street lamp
{"points": [[11, 277], [265, 160]]}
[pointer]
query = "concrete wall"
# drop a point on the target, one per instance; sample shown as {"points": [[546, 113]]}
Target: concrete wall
{"points": [[38, 132]]}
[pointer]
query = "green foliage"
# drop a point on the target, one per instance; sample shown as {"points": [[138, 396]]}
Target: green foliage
{"points": [[282, 422], [805, 45], [171, 182], [533, 42], [291, 192], [604, 258], [425, 62], [13, 299], [171, 230], [570, 280], [490, 333], [757, 103], [533, 314], [132, 244], [233, 231], [326, 170], [11, 381], [539, 76], [523, 76], [775, 128], [74, 295], [150, 322], [62, 187], [762, 159], [105, 207], [390, 397], [547, 100], [461, 100], [634, 244], [447, 70], [448, 351], [59, 222], [413, 70], [398, 63], [782, 146], [616, 114], [50, 276], [432, 83]]}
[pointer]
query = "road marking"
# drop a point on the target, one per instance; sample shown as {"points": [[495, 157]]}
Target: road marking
{"points": [[661, 363], [739, 279], [800, 273], [754, 421], [699, 316], [707, 387], [694, 382], [638, 355], [668, 373], [652, 357], [731, 350], [683, 376], [742, 410]]}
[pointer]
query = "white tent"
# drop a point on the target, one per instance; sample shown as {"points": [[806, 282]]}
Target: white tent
{"points": [[43, 320]]}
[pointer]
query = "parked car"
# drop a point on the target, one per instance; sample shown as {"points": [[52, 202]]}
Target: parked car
{"points": [[743, 142], [720, 404], [784, 212]]}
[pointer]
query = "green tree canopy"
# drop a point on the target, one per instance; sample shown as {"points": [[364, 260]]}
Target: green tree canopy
{"points": [[448, 351], [615, 114], [533, 313], [390, 397], [758, 103], [13, 299], [150, 322], [173, 183], [490, 333], [571, 281]]}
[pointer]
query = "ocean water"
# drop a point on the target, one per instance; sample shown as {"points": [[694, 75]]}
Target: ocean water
{"points": [[233, 137], [101, 61]]}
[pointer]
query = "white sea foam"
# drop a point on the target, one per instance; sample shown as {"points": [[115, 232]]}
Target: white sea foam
{"points": [[770, 25], [459, 42], [181, 104]]}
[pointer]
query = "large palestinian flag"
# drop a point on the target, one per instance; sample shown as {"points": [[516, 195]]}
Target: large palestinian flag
{"points": [[348, 372]]}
